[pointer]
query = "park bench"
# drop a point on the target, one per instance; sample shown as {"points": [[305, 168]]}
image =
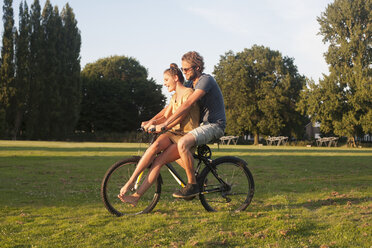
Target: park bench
{"points": [[279, 140], [327, 141], [226, 140]]}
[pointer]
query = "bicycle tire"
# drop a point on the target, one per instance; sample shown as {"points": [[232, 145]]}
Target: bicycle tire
{"points": [[236, 194], [116, 176]]}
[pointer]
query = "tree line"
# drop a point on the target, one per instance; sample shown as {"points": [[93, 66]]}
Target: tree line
{"points": [[117, 96], [264, 93], [342, 100], [45, 95], [40, 72]]}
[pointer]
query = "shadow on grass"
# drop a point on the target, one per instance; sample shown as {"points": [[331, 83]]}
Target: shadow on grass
{"points": [[314, 205], [314, 150], [74, 149], [214, 150]]}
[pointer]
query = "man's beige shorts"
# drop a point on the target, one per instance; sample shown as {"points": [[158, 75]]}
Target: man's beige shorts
{"points": [[206, 133]]}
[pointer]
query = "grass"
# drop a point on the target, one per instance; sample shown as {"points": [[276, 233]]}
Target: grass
{"points": [[305, 197]]}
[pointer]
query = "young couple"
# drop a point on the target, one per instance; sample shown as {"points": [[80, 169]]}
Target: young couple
{"points": [[195, 116]]}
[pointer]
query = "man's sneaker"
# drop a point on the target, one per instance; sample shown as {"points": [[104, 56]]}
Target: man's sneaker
{"points": [[188, 191]]}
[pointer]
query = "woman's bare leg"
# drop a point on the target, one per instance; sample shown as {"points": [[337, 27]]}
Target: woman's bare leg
{"points": [[169, 155], [159, 145]]}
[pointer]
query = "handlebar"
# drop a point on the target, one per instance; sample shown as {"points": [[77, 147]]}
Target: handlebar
{"points": [[151, 130]]}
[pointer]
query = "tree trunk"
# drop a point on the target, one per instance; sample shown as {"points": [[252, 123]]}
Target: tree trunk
{"points": [[17, 124], [351, 142], [256, 136]]}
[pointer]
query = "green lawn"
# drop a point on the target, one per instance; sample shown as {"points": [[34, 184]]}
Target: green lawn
{"points": [[305, 197]]}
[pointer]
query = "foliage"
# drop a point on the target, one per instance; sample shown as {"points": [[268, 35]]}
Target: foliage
{"points": [[20, 100], [43, 90], [69, 75], [49, 198], [7, 66], [260, 88], [342, 101], [35, 95], [117, 95]]}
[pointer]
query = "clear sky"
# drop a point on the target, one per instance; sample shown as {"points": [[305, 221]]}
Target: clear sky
{"points": [[158, 33]]}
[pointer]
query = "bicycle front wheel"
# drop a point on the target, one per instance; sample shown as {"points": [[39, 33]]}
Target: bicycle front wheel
{"points": [[116, 177], [227, 185]]}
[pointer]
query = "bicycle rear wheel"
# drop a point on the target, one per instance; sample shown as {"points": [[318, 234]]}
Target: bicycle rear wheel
{"points": [[116, 177], [227, 187]]}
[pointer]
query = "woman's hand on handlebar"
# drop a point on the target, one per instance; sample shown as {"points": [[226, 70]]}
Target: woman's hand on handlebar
{"points": [[155, 129], [148, 129], [152, 129], [146, 125], [161, 127]]}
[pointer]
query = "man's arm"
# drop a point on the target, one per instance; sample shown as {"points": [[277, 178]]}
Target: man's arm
{"points": [[185, 107], [169, 126]]}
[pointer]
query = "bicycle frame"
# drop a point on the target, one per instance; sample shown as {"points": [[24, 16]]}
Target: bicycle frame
{"points": [[201, 159], [171, 170], [220, 180]]}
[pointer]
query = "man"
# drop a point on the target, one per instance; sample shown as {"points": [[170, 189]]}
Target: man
{"points": [[212, 117]]}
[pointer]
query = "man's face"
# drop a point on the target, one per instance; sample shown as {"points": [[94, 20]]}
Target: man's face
{"points": [[188, 70]]}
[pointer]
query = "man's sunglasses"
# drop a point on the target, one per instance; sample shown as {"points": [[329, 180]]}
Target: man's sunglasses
{"points": [[187, 69]]}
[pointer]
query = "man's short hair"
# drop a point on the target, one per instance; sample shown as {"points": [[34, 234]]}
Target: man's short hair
{"points": [[195, 60]]}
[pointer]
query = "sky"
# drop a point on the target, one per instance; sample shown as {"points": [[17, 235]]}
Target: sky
{"points": [[158, 33]]}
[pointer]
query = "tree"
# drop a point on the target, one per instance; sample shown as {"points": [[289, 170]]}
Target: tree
{"points": [[40, 89], [33, 129], [69, 78], [117, 95], [7, 65], [50, 108], [54, 73], [342, 101], [22, 79], [260, 89]]}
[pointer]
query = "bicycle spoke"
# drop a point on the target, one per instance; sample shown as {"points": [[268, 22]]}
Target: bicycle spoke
{"points": [[227, 187], [115, 178]]}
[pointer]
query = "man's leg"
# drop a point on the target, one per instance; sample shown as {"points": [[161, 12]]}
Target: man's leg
{"points": [[184, 146], [184, 149], [200, 135]]}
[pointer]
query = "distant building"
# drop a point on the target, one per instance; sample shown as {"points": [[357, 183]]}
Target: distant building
{"points": [[313, 130], [367, 138]]}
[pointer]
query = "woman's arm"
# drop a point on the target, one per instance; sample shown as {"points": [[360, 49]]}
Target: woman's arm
{"points": [[156, 119], [183, 109], [162, 119]]}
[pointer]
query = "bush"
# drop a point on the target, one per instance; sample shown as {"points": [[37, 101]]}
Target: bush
{"points": [[129, 137]]}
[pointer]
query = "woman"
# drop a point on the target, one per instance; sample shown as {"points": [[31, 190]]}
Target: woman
{"points": [[167, 142]]}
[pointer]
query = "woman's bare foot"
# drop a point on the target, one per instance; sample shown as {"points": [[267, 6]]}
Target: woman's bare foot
{"points": [[128, 186], [131, 199]]}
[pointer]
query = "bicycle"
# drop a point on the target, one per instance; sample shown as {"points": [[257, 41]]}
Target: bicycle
{"points": [[225, 183]]}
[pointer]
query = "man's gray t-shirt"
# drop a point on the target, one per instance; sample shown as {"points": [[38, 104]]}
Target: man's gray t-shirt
{"points": [[212, 107]]}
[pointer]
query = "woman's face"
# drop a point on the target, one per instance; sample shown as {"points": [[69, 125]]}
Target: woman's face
{"points": [[169, 82]]}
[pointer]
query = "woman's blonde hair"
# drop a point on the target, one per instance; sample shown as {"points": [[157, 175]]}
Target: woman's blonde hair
{"points": [[173, 70]]}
